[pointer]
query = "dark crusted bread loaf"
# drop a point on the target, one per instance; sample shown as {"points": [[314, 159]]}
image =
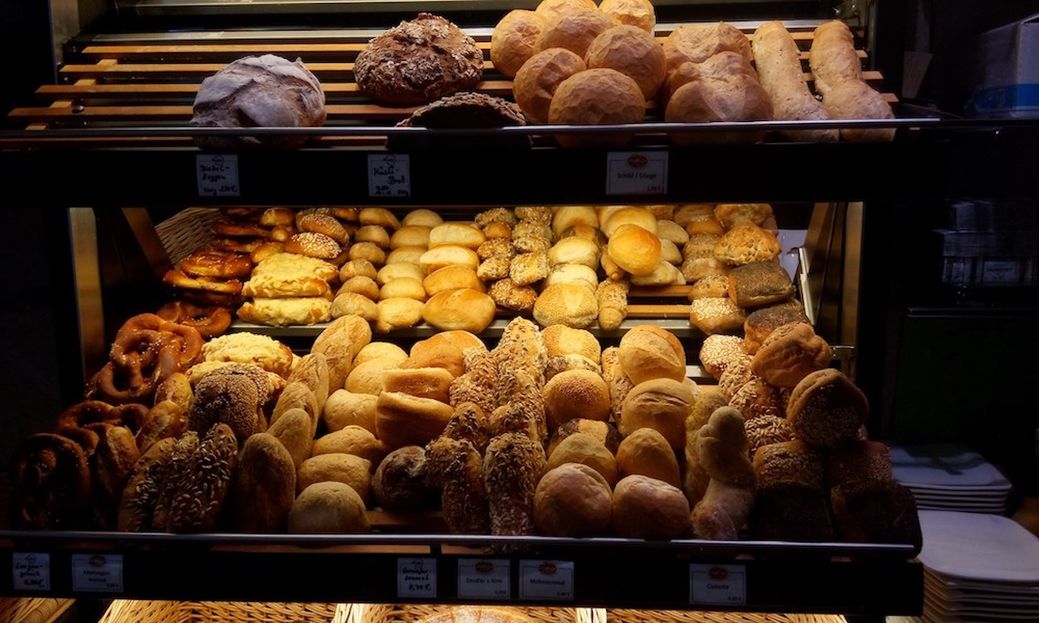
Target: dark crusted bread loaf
{"points": [[259, 91], [465, 110], [418, 61]]}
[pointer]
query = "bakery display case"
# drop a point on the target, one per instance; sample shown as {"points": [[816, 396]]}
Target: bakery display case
{"points": [[180, 189]]}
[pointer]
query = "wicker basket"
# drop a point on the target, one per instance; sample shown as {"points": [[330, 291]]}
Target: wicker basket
{"points": [[387, 613], [682, 616], [187, 231], [133, 611], [32, 609]]}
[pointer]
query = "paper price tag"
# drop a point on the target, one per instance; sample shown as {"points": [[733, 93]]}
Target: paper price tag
{"points": [[389, 175], [482, 578], [416, 577], [31, 572], [636, 173], [217, 175], [548, 580], [97, 573], [718, 584]]}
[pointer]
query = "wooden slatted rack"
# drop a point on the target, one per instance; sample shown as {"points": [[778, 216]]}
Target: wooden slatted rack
{"points": [[137, 83]]}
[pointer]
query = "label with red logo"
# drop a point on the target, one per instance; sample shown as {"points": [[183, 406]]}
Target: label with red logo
{"points": [[97, 573], [416, 578], [636, 173], [484, 578], [548, 580], [718, 584]]}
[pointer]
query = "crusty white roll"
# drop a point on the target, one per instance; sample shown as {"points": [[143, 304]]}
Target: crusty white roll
{"points": [[459, 234], [513, 40], [633, 52], [452, 278], [570, 216], [463, 309], [833, 59], [536, 82], [638, 13], [612, 217], [597, 97], [446, 256], [635, 249], [574, 250]]}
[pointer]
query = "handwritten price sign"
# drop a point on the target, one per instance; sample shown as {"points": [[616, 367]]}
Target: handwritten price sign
{"points": [[389, 175], [416, 577]]}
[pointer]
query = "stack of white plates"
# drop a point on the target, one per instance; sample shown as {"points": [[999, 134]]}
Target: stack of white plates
{"points": [[950, 477], [982, 568]]}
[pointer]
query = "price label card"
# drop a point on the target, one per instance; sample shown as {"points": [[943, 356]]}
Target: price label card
{"points": [[97, 573], [389, 175], [416, 577], [31, 572], [483, 578], [548, 580], [718, 584], [636, 173], [217, 175]]}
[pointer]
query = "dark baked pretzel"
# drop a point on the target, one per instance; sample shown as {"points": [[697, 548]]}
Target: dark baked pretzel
{"points": [[52, 483], [187, 340], [180, 279], [216, 264], [83, 413], [237, 229], [209, 321]]}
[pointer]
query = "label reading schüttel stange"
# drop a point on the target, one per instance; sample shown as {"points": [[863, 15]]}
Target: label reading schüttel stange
{"points": [[31, 571], [548, 580], [484, 578], [718, 584], [636, 173], [416, 577]]}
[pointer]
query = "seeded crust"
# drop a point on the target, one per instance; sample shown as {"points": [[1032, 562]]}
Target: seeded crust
{"points": [[494, 268], [418, 61], [455, 465], [718, 351], [256, 374], [469, 423], [522, 349], [231, 400], [789, 462], [477, 384], [762, 322], [756, 399], [466, 110], [616, 380], [506, 293], [571, 361], [142, 491], [735, 376], [766, 430], [521, 406], [860, 461], [174, 473], [512, 468], [495, 215], [200, 490], [826, 410], [496, 247]]}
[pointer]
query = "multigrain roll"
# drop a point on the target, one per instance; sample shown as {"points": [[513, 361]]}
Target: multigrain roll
{"points": [[767, 430], [568, 304], [232, 400], [826, 410], [759, 283], [745, 244], [573, 500], [762, 322], [718, 351], [456, 467], [789, 354], [790, 462], [513, 466], [718, 315]]}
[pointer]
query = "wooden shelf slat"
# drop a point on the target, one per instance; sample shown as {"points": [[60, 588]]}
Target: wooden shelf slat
{"points": [[190, 69], [173, 113], [496, 87]]}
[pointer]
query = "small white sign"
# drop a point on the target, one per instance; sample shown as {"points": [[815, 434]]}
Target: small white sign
{"points": [[546, 580], [636, 173], [483, 578], [97, 573], [217, 175], [389, 175], [32, 572], [718, 584], [416, 577]]}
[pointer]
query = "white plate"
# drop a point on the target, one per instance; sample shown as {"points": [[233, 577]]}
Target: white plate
{"points": [[987, 613], [975, 599], [944, 465], [979, 547], [1024, 590]]}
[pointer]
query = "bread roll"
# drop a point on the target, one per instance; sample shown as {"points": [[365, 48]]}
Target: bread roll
{"points": [[351, 440], [635, 249], [431, 383], [294, 430], [513, 40], [345, 468], [669, 253], [401, 270], [670, 230], [367, 377], [603, 432], [574, 30], [295, 396], [832, 58], [356, 268], [572, 273], [456, 234], [789, 354], [576, 394], [562, 340], [790, 462], [759, 283], [437, 353], [381, 350], [572, 500], [367, 251], [637, 13], [513, 465], [660, 404], [762, 322], [403, 420], [618, 216], [855, 99], [649, 352], [312, 371], [632, 51], [719, 315], [264, 486], [567, 217], [360, 285], [554, 9], [569, 304], [422, 218], [405, 255], [718, 351], [401, 482], [352, 304], [345, 408], [457, 468], [574, 251], [695, 43], [707, 93], [644, 508], [328, 508], [403, 288], [448, 255], [375, 234], [826, 410], [596, 97], [584, 449], [463, 309], [646, 452], [452, 278], [537, 80], [397, 313], [664, 274], [410, 236], [340, 342]]}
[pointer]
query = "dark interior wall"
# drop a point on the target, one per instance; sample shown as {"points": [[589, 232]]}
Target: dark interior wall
{"points": [[25, 42]]}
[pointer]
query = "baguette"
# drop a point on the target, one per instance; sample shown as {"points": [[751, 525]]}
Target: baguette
{"points": [[832, 58]]}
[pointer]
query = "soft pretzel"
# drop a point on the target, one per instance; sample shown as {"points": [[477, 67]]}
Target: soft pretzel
{"points": [[208, 321], [52, 483], [233, 229], [239, 246], [180, 279], [216, 264]]}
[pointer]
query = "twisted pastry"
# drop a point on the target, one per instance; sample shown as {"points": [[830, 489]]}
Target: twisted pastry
{"points": [[612, 297], [722, 447]]}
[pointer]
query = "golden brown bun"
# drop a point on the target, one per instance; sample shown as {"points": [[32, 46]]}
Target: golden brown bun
{"points": [[574, 250], [638, 13], [366, 378], [397, 313], [537, 80], [513, 40], [789, 354], [554, 9], [448, 255], [323, 224], [854, 99], [357, 268], [573, 500], [399, 270], [452, 278], [635, 249], [328, 508], [404, 420], [826, 410], [660, 404], [364, 286], [562, 340], [615, 218], [295, 396], [401, 483], [345, 468], [695, 43], [294, 430], [664, 274], [733, 214], [422, 218], [312, 371], [405, 287], [339, 343], [496, 230], [345, 408], [569, 304], [570, 216], [374, 234], [710, 287], [718, 351], [378, 216], [632, 51], [176, 388], [700, 246], [697, 268], [315, 245], [646, 452], [419, 382], [649, 352], [367, 251], [645, 508], [670, 230], [381, 350], [264, 486], [576, 394], [462, 309], [405, 255], [701, 99], [597, 97], [574, 30], [351, 440], [719, 315], [437, 352], [456, 234], [585, 449], [410, 236], [572, 273], [604, 432]]}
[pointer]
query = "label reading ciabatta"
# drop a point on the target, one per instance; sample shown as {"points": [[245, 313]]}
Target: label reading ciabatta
{"points": [[636, 173], [484, 578], [217, 175], [718, 584], [97, 573], [31, 571], [546, 580], [389, 175], [416, 578]]}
